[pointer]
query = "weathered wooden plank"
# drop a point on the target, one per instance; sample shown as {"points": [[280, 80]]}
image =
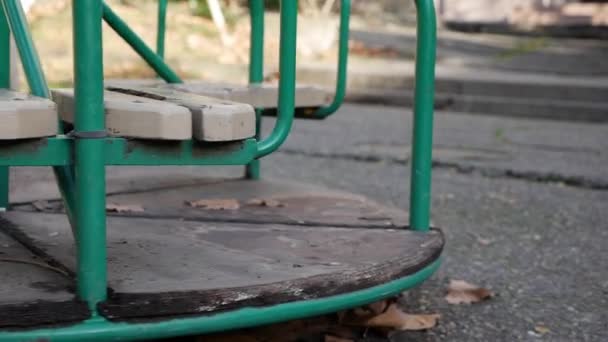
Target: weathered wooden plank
{"points": [[290, 203], [134, 117], [162, 268], [23, 116], [259, 95], [213, 119]]}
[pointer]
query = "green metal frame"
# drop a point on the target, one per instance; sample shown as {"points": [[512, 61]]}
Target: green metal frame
{"points": [[38, 86], [342, 68], [256, 68], [256, 72], [80, 166], [424, 98], [152, 58], [162, 28], [5, 82]]}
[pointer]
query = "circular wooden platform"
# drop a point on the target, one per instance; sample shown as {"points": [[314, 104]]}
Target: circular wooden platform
{"points": [[175, 260]]}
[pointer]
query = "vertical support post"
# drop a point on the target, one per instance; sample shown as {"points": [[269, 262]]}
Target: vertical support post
{"points": [[38, 86], [89, 152], [422, 145], [161, 28], [256, 72], [5, 82]]}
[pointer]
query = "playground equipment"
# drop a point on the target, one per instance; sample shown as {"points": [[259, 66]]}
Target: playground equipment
{"points": [[278, 251]]}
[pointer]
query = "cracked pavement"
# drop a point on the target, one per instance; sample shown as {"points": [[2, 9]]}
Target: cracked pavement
{"points": [[539, 150]]}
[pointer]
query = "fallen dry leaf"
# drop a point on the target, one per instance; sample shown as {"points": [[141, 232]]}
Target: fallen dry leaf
{"points": [[369, 310], [269, 202], [541, 329], [378, 308], [361, 49], [42, 205], [215, 204], [395, 318], [461, 292], [124, 208], [290, 331], [330, 338], [484, 242]]}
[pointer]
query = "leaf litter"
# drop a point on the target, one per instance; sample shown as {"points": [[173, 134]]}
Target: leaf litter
{"points": [[462, 292], [266, 202], [215, 204], [383, 318], [124, 208]]}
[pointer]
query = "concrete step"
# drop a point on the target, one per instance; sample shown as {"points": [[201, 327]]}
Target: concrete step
{"points": [[466, 81], [490, 92], [493, 105]]}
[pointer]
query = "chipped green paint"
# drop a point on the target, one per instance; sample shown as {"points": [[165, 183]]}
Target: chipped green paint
{"points": [[120, 151]]}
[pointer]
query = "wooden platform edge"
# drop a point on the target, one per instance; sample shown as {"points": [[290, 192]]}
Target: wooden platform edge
{"points": [[39, 313], [42, 313], [155, 306]]}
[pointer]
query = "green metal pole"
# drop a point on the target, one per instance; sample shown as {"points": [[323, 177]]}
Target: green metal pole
{"points": [[422, 147], [162, 24], [153, 60], [5, 82], [38, 86], [5, 53], [342, 63], [25, 45], [287, 86], [89, 151], [256, 72]]}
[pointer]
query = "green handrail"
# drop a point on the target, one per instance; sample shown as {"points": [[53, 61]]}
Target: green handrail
{"points": [[341, 77], [38, 86], [5, 82], [89, 162], [153, 60], [422, 146], [5, 52], [256, 72], [287, 70], [161, 28]]}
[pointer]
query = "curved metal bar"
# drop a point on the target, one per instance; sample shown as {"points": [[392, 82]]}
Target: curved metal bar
{"points": [[161, 29], [153, 60], [101, 330], [341, 78], [422, 144], [39, 87], [287, 70]]}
